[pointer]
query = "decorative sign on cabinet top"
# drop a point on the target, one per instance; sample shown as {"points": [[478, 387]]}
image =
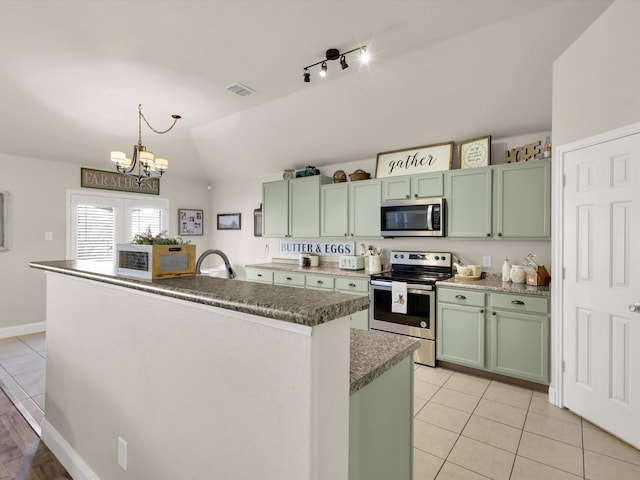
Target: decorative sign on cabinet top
{"points": [[428, 158], [90, 178]]}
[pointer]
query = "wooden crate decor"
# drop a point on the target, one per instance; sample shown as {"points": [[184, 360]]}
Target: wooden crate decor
{"points": [[523, 153]]}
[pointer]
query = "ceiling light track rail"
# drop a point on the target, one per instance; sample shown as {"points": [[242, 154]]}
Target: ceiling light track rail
{"points": [[335, 54]]}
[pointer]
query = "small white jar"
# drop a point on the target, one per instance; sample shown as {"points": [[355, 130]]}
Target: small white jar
{"points": [[518, 275]]}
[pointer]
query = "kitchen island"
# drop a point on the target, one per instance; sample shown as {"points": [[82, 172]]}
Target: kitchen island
{"points": [[202, 377]]}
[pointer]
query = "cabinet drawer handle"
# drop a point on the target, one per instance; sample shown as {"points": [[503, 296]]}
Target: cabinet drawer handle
{"points": [[352, 285], [289, 278], [259, 275], [517, 302], [461, 297], [320, 282]]}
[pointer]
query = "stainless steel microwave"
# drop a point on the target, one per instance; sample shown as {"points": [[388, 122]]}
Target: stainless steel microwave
{"points": [[413, 218]]}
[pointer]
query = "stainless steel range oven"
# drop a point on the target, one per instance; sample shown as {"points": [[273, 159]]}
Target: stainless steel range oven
{"points": [[414, 275]]}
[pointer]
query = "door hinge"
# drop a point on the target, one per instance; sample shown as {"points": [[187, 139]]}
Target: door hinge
{"points": [[563, 366], [564, 273], [564, 180]]}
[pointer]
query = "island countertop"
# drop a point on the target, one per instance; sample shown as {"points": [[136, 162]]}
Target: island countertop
{"points": [[373, 353], [288, 304]]}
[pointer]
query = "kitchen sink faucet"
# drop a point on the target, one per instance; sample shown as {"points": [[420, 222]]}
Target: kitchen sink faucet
{"points": [[206, 253]]}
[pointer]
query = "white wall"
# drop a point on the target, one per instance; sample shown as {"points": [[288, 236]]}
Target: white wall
{"points": [[595, 81], [38, 205], [244, 195]]}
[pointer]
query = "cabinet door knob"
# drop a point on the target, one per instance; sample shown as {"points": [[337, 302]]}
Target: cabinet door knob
{"points": [[493, 313], [517, 302], [500, 234], [345, 234], [488, 234], [481, 310], [408, 196], [461, 297], [415, 195]]}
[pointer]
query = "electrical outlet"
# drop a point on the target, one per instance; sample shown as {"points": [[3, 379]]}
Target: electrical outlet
{"points": [[122, 453], [486, 261], [48, 235]]}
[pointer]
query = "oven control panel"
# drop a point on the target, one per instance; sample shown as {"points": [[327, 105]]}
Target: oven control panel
{"points": [[427, 259]]}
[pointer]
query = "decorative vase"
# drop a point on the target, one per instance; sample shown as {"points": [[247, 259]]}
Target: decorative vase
{"points": [[289, 175]]}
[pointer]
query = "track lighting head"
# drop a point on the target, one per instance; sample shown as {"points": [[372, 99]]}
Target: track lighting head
{"points": [[334, 54], [323, 69], [364, 55]]}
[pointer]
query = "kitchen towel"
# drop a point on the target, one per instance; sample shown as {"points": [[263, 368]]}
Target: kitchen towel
{"points": [[399, 297]]}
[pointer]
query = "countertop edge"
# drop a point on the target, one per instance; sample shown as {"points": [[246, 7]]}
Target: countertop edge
{"points": [[497, 286]]}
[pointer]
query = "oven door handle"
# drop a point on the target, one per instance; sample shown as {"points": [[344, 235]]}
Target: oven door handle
{"points": [[417, 289], [430, 218]]}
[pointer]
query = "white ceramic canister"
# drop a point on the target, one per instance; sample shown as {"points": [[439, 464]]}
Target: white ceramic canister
{"points": [[375, 263], [518, 275], [506, 270]]}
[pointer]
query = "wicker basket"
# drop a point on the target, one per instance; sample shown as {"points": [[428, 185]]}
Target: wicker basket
{"points": [[359, 175]]}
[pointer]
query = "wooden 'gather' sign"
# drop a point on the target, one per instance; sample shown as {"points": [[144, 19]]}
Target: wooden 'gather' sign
{"points": [[428, 158]]}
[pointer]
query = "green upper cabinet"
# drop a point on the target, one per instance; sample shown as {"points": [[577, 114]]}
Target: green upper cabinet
{"points": [[275, 209], [350, 209], [468, 194], [334, 210], [522, 200], [406, 187], [291, 208], [364, 208], [510, 201]]}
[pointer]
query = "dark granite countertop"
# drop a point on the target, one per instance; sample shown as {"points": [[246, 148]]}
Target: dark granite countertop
{"points": [[310, 307], [494, 283], [329, 268], [374, 353]]}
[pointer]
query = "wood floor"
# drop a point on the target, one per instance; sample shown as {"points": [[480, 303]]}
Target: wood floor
{"points": [[22, 455]]}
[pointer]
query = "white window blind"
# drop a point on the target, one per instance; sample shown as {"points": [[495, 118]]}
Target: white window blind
{"points": [[143, 219], [96, 226]]}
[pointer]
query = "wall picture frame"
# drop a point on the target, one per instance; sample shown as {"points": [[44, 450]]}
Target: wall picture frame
{"points": [[475, 152], [190, 221], [229, 221], [427, 158]]}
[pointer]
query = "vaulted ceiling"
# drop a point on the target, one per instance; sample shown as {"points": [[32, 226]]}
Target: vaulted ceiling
{"points": [[72, 74]]}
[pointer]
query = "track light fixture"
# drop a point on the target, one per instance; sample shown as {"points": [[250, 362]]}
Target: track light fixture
{"points": [[335, 54]]}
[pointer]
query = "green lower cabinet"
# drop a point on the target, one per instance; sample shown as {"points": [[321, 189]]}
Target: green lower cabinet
{"points": [[519, 345], [381, 426], [460, 335], [509, 337], [329, 283]]}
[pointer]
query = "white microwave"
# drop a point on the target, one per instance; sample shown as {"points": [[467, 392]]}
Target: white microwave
{"points": [[413, 218]]}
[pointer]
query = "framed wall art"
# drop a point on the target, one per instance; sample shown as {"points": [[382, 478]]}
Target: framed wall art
{"points": [[475, 152], [428, 158], [229, 221], [190, 221]]}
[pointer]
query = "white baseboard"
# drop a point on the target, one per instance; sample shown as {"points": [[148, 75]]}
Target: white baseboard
{"points": [[66, 455], [17, 330]]}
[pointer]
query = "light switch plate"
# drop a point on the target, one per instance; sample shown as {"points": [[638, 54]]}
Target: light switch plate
{"points": [[48, 235], [486, 261]]}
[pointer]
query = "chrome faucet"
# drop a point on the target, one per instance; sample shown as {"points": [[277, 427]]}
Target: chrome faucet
{"points": [[206, 253]]}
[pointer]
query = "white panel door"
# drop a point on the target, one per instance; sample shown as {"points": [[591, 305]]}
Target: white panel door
{"points": [[601, 246]]}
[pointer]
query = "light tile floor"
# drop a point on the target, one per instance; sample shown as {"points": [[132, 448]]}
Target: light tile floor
{"points": [[468, 427], [465, 427], [22, 374]]}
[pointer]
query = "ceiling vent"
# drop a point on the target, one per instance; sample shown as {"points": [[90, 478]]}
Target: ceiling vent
{"points": [[240, 89]]}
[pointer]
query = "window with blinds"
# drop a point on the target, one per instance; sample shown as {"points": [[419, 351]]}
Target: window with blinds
{"points": [[143, 219], [95, 234]]}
